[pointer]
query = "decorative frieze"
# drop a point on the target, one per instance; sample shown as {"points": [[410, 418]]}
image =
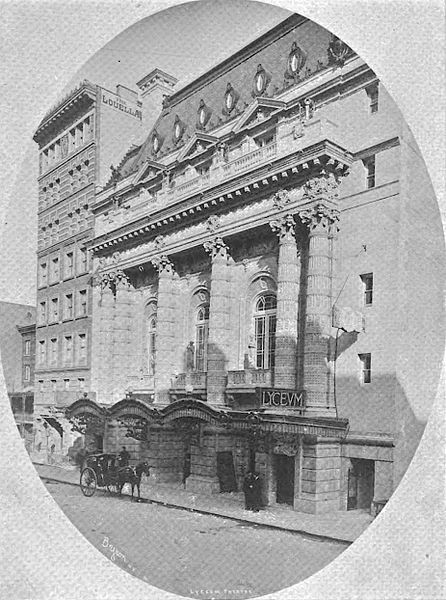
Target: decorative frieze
{"points": [[322, 186]]}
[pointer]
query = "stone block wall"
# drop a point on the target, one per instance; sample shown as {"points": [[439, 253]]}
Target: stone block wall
{"points": [[320, 478]]}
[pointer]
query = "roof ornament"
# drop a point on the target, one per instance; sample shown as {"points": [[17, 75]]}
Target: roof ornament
{"points": [[338, 51]]}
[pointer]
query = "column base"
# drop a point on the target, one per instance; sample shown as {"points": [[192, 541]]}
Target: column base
{"points": [[202, 484], [316, 506], [160, 475]]}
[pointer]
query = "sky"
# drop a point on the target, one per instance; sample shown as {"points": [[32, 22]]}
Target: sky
{"points": [[49, 46]]}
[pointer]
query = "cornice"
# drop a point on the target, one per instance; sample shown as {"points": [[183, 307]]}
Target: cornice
{"points": [[85, 89], [299, 162]]}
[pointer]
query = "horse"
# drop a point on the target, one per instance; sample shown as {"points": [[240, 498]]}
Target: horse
{"points": [[133, 476]]}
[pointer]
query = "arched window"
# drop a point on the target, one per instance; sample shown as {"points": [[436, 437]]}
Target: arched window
{"points": [[265, 331], [201, 337], [151, 344], [150, 338]]}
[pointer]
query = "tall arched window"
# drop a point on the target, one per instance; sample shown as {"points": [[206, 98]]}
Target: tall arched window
{"points": [[201, 337], [151, 344], [265, 330], [150, 337]]}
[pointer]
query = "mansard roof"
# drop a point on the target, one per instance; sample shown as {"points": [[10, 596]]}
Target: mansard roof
{"points": [[269, 54]]}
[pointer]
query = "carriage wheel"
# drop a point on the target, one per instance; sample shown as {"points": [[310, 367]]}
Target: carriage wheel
{"points": [[88, 482]]}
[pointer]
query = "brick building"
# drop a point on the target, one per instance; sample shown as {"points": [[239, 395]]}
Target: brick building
{"points": [[79, 140], [260, 293], [17, 346]]}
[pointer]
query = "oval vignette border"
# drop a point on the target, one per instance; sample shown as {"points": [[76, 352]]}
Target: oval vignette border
{"points": [[39, 515]]}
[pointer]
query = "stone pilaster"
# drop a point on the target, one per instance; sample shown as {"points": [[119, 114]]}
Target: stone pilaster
{"points": [[287, 304], [102, 341], [123, 345], [321, 219], [218, 321], [165, 330]]}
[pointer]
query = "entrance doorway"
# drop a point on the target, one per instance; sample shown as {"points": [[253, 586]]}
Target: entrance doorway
{"points": [[284, 479], [226, 472], [361, 483]]}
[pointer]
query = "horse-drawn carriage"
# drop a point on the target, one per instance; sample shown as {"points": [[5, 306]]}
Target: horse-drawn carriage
{"points": [[103, 471]]}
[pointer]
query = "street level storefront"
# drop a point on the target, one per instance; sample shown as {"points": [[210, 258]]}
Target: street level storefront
{"points": [[210, 450]]}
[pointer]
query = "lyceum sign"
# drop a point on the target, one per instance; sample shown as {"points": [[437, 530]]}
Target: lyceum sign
{"points": [[271, 397]]}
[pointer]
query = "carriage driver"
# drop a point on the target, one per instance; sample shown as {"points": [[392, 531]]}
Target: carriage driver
{"points": [[124, 457]]}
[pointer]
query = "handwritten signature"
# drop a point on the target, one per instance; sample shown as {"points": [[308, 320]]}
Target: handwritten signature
{"points": [[114, 552]]}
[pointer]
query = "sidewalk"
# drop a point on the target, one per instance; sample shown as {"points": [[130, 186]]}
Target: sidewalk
{"points": [[342, 526]]}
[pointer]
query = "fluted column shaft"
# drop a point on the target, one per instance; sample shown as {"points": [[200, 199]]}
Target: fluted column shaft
{"points": [[218, 322], [321, 223], [288, 277]]}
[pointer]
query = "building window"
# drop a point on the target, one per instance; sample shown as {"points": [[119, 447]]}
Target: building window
{"points": [[201, 338], [68, 349], [151, 345], [69, 264], [369, 165], [43, 274], [29, 405], [42, 352], [82, 260], [53, 350], [82, 348], [367, 287], [42, 312], [27, 349], [66, 384], [265, 331], [54, 276], [54, 310], [81, 384], [53, 385], [27, 373], [373, 95], [82, 303], [68, 306], [366, 367]]}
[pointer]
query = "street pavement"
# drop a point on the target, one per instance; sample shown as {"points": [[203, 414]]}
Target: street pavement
{"points": [[189, 553], [341, 526]]}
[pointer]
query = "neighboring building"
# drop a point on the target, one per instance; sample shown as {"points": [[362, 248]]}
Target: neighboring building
{"points": [[17, 346], [268, 267], [79, 140]]}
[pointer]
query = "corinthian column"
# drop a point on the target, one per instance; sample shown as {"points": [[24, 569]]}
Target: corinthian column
{"points": [[287, 303], [321, 220], [165, 329], [218, 321]]}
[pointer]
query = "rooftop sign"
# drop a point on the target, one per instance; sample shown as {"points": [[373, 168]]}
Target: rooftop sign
{"points": [[121, 104]]}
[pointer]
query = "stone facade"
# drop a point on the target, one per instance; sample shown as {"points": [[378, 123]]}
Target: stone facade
{"points": [[242, 298]]}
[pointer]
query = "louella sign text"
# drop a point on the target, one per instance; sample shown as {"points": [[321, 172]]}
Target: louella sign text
{"points": [[120, 104], [276, 398]]}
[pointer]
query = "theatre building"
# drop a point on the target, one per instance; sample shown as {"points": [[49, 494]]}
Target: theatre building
{"points": [[253, 298]]}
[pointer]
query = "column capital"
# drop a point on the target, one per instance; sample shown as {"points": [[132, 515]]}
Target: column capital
{"points": [[111, 279], [216, 248], [162, 264], [324, 186], [284, 227], [320, 216]]}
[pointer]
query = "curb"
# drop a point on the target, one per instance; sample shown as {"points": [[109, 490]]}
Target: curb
{"points": [[302, 532]]}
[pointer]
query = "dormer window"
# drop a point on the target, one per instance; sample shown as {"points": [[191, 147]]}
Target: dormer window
{"points": [[203, 114], [296, 59], [155, 143], [178, 129], [261, 80]]}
